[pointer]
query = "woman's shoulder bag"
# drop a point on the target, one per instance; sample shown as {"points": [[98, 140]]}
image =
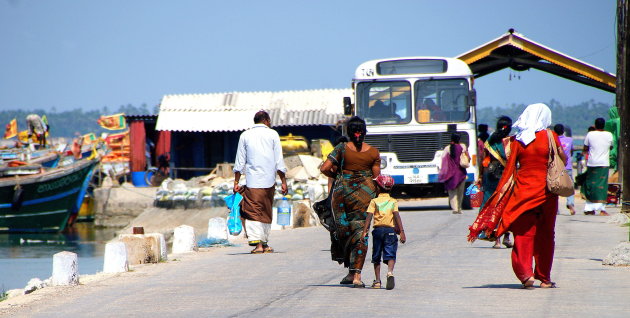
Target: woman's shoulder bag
{"points": [[558, 180], [464, 159]]}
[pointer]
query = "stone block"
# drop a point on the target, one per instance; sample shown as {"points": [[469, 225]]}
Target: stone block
{"points": [[184, 239], [141, 248], [159, 237], [115, 259], [65, 269]]}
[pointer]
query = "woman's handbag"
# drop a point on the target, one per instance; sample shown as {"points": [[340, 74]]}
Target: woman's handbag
{"points": [[558, 180], [464, 159], [324, 212]]}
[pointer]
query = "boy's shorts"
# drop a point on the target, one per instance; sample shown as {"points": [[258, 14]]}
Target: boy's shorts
{"points": [[385, 243]]}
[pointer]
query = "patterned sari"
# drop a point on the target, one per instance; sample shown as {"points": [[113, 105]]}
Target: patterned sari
{"points": [[351, 196], [489, 216], [497, 160]]}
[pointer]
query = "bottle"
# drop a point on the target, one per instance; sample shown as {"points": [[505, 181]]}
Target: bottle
{"points": [[284, 212]]}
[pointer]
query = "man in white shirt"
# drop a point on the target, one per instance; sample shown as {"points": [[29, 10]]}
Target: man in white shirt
{"points": [[259, 157], [597, 144]]}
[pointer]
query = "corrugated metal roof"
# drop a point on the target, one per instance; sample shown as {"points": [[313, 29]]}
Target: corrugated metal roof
{"points": [[147, 118], [235, 111]]}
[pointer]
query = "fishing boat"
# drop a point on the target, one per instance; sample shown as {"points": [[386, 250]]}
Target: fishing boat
{"points": [[38, 199]]}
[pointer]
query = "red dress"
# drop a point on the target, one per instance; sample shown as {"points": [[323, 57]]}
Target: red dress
{"points": [[530, 187], [524, 207]]}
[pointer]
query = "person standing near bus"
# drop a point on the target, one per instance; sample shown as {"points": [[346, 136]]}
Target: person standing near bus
{"points": [[452, 174], [259, 156]]}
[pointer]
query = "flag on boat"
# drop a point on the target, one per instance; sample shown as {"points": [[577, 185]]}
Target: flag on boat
{"points": [[113, 122], [89, 139], [11, 129]]}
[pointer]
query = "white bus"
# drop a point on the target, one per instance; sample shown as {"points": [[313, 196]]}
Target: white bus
{"points": [[412, 106]]}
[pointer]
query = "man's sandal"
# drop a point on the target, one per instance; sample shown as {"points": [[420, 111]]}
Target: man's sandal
{"points": [[376, 284]]}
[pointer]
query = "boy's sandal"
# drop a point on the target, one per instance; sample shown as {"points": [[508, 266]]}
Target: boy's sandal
{"points": [[346, 281], [376, 284], [268, 249], [548, 285], [390, 282]]}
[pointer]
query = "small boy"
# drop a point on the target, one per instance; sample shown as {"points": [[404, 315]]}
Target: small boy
{"points": [[387, 223]]}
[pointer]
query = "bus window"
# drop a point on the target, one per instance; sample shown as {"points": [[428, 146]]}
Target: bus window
{"points": [[384, 102], [442, 101]]}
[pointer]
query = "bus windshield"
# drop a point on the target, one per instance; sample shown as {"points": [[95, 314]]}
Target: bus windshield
{"points": [[384, 102], [441, 100]]}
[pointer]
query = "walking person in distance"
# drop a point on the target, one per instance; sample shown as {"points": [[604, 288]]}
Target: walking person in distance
{"points": [[259, 157]]}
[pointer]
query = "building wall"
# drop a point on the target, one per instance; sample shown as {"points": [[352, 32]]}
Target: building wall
{"points": [[197, 153]]}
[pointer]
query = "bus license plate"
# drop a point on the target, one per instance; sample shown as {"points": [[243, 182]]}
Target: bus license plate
{"points": [[416, 179]]}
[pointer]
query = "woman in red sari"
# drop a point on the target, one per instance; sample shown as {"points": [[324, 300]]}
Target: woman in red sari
{"points": [[522, 203]]}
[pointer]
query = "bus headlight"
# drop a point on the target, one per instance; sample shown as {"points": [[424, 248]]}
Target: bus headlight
{"points": [[383, 162]]}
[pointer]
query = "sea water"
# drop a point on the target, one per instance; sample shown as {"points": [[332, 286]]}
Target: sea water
{"points": [[24, 256]]}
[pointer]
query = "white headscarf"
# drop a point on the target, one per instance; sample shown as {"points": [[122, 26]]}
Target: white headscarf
{"points": [[535, 117]]}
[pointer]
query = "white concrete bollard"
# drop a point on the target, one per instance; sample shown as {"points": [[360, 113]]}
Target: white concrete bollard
{"points": [[217, 229], [65, 269], [159, 237], [115, 258], [184, 239]]}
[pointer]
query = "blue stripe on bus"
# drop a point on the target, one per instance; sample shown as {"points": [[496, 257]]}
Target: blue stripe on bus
{"points": [[433, 178], [46, 199]]}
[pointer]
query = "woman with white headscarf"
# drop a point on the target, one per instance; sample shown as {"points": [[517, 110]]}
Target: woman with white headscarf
{"points": [[522, 203]]}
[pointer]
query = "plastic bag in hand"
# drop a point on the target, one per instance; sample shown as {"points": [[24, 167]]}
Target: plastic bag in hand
{"points": [[234, 224]]}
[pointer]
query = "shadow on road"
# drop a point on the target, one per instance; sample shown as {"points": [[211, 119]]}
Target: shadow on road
{"points": [[248, 253], [507, 286], [420, 207], [332, 285]]}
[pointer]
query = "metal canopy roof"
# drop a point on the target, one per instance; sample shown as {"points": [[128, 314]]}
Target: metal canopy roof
{"points": [[520, 53]]}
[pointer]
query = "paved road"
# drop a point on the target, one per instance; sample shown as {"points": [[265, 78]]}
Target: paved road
{"points": [[438, 275]]}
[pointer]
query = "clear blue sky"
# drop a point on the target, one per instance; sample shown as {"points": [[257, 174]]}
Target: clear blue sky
{"points": [[88, 54]]}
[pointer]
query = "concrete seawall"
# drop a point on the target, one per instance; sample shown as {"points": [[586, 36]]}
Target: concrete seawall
{"points": [[126, 206]]}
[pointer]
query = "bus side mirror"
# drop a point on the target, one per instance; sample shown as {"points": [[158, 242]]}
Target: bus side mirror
{"points": [[472, 98], [347, 106]]}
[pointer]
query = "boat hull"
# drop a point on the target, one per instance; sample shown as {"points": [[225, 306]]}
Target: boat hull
{"points": [[44, 202]]}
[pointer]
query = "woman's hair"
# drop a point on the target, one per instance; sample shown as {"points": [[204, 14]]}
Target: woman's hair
{"points": [[559, 129], [356, 130], [355, 123], [455, 138], [504, 127], [482, 130], [339, 140]]}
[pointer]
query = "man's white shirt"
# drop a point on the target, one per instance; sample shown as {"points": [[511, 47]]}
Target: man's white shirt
{"points": [[259, 156], [598, 143]]}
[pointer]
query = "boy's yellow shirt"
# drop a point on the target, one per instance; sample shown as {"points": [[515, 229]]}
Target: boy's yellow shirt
{"points": [[383, 208]]}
